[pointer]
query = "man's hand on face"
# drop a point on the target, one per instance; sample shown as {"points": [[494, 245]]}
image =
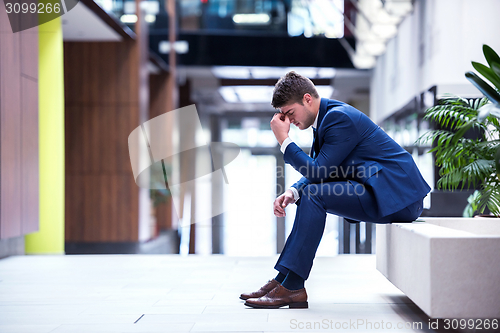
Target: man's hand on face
{"points": [[281, 202], [280, 124]]}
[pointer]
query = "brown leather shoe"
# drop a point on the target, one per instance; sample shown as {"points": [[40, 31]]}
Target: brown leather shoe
{"points": [[262, 291], [280, 296]]}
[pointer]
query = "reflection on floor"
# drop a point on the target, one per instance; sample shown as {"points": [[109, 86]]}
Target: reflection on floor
{"points": [[171, 293]]}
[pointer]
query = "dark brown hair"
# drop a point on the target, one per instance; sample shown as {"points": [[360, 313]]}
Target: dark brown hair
{"points": [[291, 88]]}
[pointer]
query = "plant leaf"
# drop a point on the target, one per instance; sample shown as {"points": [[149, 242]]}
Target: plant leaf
{"points": [[497, 161], [488, 73], [496, 68], [487, 110], [490, 55], [485, 88]]}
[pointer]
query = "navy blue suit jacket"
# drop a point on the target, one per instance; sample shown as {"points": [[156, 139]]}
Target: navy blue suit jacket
{"points": [[351, 147]]}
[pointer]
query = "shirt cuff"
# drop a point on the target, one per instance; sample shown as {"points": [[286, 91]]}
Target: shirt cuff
{"points": [[296, 195], [285, 144]]}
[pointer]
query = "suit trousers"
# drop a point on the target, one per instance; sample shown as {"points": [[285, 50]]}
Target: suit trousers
{"points": [[342, 198]]}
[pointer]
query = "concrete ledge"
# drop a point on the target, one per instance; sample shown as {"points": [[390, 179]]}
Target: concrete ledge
{"points": [[447, 266]]}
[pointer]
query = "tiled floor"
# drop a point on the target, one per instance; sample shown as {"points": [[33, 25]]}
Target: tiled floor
{"points": [[170, 293]]}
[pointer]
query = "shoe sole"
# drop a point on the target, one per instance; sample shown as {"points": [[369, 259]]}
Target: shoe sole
{"points": [[297, 305]]}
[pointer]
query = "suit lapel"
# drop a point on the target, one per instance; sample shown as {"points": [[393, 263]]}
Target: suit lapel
{"points": [[322, 111]]}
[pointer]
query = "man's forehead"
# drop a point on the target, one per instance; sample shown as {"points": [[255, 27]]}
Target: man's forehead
{"points": [[286, 108]]}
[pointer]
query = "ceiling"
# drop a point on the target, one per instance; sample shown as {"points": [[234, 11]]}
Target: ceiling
{"points": [[348, 85]]}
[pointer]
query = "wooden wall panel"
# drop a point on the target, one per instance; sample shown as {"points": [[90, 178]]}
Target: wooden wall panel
{"points": [[159, 104], [74, 147], [102, 201], [74, 208], [19, 198], [158, 94]]}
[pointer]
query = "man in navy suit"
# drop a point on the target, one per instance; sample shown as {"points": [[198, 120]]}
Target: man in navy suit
{"points": [[355, 170]]}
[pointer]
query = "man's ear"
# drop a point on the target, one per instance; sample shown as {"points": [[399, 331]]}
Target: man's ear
{"points": [[307, 99]]}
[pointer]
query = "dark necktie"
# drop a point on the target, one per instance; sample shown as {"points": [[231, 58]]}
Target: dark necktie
{"points": [[315, 144]]}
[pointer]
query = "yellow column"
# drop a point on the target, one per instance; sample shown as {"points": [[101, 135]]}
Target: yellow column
{"points": [[50, 237]]}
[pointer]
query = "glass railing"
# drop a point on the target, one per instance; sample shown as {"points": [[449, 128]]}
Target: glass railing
{"points": [[292, 17], [125, 11], [288, 17]]}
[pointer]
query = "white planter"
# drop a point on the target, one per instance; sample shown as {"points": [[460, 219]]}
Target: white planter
{"points": [[449, 267]]}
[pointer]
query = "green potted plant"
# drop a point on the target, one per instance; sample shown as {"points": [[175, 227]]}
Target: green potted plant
{"points": [[470, 162]]}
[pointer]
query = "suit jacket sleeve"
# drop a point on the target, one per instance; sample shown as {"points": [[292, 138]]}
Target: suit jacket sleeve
{"points": [[339, 137], [303, 182]]}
